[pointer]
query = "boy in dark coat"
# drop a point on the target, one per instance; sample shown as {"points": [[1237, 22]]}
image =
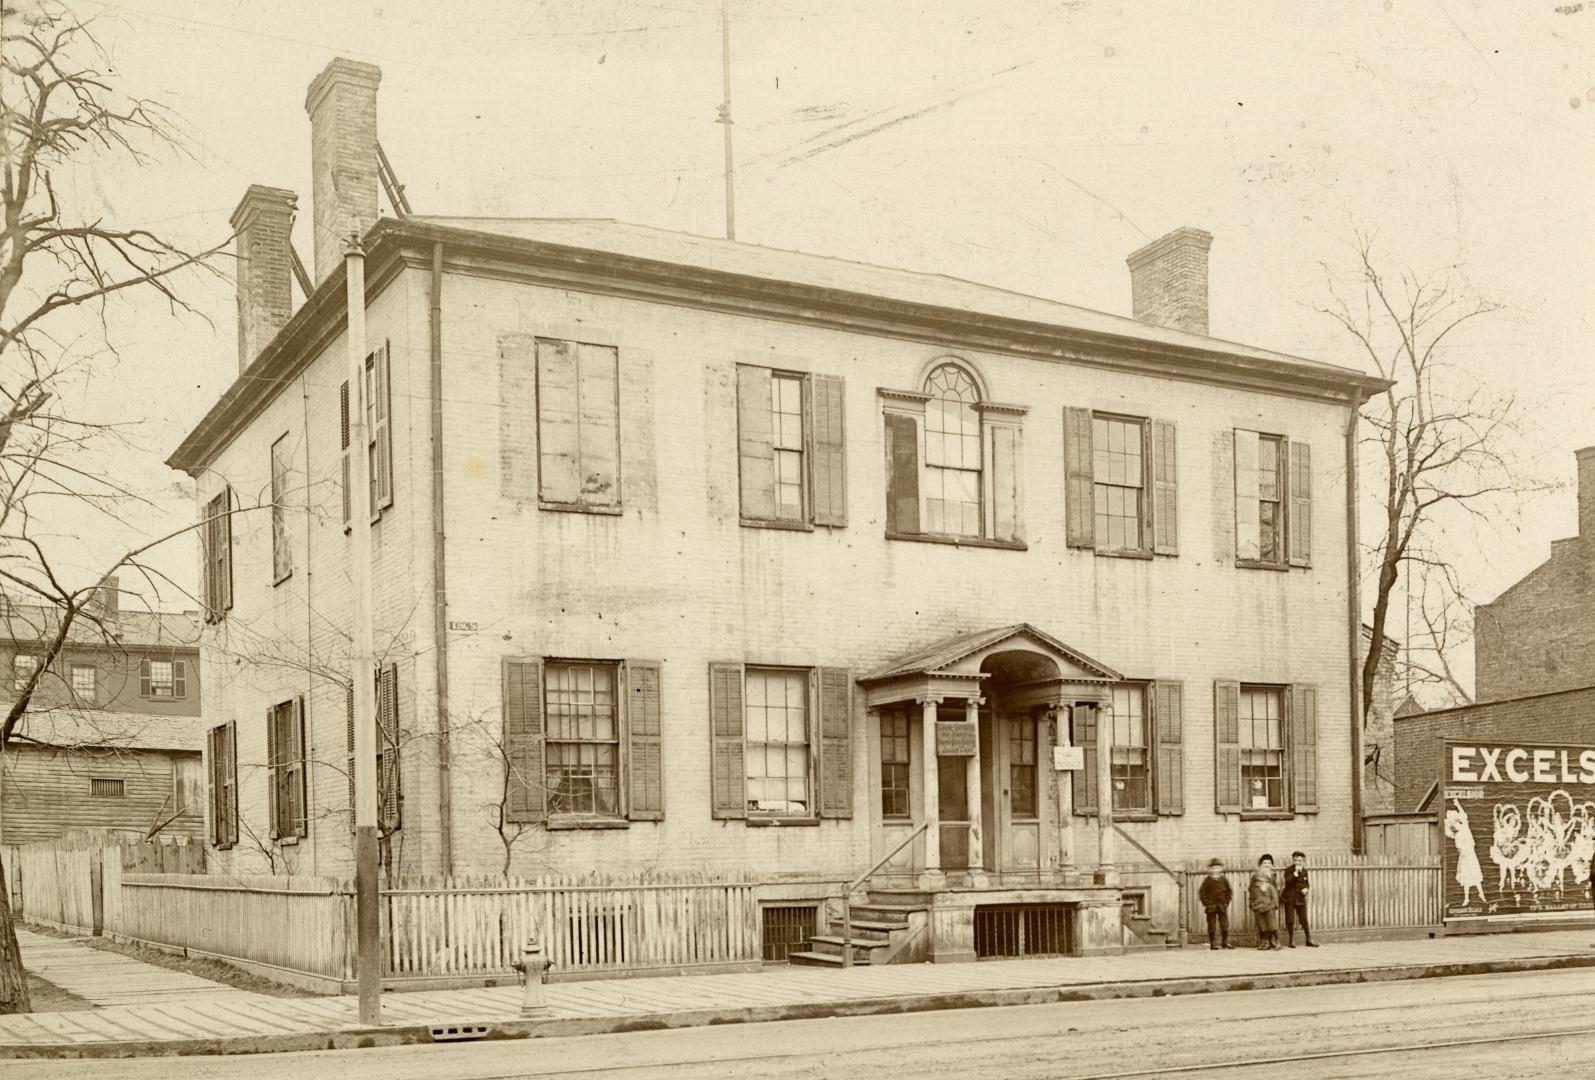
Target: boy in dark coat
{"points": [[1293, 898], [1262, 895], [1215, 896]]}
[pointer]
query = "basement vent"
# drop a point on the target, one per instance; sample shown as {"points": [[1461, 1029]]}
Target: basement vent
{"points": [[113, 789], [1024, 930], [787, 929]]}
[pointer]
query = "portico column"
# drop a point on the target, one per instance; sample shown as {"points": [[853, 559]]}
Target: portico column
{"points": [[931, 790], [1065, 787], [1105, 869], [972, 782]]}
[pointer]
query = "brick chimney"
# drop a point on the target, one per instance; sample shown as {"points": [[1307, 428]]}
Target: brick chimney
{"points": [[1168, 280], [262, 225], [1586, 493], [342, 104], [107, 598]]}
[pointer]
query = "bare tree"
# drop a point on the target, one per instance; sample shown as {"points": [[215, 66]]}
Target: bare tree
{"points": [[1436, 440], [62, 265]]}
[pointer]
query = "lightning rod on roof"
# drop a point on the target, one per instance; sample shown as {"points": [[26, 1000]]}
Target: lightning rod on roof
{"points": [[725, 115]]}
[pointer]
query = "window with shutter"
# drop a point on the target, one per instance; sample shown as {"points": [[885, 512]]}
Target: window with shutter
{"points": [[216, 541], [644, 759], [581, 739], [953, 462], [791, 448], [578, 426], [223, 778], [390, 794], [285, 760], [1304, 748], [779, 776], [378, 402], [281, 549], [1273, 501], [727, 777], [523, 739], [1120, 484], [1169, 720], [835, 696], [1226, 746], [1131, 751]]}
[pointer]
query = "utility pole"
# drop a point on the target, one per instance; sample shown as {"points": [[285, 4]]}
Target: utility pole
{"points": [[725, 115], [362, 654]]}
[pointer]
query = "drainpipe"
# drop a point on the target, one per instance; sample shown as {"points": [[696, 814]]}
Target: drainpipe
{"points": [[440, 595], [1354, 618]]}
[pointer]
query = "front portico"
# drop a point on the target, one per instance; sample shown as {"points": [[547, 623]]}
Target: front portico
{"points": [[964, 734]]}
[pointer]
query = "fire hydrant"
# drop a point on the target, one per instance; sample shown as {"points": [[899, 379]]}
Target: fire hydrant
{"points": [[534, 973]]}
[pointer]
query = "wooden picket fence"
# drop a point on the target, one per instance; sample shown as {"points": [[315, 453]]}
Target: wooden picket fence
{"points": [[60, 882], [451, 928], [1349, 893]]}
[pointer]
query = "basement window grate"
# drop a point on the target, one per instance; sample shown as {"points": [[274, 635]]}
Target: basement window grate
{"points": [[114, 789], [1024, 930], [787, 929]]}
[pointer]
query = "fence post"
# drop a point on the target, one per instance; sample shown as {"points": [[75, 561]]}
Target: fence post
{"points": [[97, 889]]}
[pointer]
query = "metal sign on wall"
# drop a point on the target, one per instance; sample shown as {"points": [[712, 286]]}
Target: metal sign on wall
{"points": [[1518, 822]]}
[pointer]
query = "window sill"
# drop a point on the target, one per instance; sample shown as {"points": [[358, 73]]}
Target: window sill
{"points": [[1143, 555], [781, 822], [577, 508], [569, 822], [783, 526], [1266, 815], [959, 541], [287, 841], [222, 847], [1255, 564]]}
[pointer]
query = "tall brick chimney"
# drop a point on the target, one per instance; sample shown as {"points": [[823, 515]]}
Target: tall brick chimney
{"points": [[1168, 280], [342, 104], [1586, 493], [262, 224]]}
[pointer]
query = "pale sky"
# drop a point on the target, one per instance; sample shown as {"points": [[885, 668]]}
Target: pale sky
{"points": [[1028, 145]]}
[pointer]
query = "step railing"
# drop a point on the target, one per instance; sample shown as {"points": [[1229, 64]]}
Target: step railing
{"points": [[847, 893], [1179, 879]]}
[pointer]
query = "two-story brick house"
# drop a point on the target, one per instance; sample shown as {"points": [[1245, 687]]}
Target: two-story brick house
{"points": [[112, 738], [696, 555]]}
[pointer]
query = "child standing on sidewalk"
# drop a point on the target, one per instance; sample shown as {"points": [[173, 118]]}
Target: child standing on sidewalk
{"points": [[1293, 898], [1215, 895], [1263, 897]]}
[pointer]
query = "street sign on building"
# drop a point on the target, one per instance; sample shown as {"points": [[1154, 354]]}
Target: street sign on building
{"points": [[1518, 822]]}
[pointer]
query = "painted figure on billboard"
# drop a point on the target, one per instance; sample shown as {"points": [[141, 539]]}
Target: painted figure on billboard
{"points": [[1469, 874]]}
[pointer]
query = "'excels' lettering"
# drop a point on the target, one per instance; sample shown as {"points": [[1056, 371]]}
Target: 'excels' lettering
{"points": [[1518, 765]]}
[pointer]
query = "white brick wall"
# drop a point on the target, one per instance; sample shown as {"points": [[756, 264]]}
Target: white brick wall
{"points": [[675, 578]]}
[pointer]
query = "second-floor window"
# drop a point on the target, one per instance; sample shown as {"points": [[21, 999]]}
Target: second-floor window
{"points": [[22, 669], [1120, 489], [216, 537], [378, 403], [578, 426], [281, 553], [85, 682], [791, 448], [163, 679], [1273, 501], [952, 461]]}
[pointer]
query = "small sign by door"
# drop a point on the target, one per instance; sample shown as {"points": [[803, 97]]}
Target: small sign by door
{"points": [[955, 738], [1068, 758]]}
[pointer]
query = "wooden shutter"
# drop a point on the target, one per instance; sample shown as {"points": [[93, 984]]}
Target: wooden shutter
{"points": [[1165, 497], [390, 795], [218, 790], [1083, 733], [1079, 497], [558, 473], [598, 431], [828, 456], [1227, 746], [1247, 536], [1304, 747], [755, 443], [231, 780], [1005, 475], [523, 739], [517, 422], [728, 778], [1168, 715], [644, 742], [348, 732], [1300, 521], [179, 678], [273, 772], [902, 473], [144, 678], [300, 818], [343, 448], [382, 471], [836, 742]]}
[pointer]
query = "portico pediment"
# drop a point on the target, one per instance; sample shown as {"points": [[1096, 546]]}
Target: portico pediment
{"points": [[961, 666]]}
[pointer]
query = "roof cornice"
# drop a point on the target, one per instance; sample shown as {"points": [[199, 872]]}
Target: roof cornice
{"points": [[391, 245]]}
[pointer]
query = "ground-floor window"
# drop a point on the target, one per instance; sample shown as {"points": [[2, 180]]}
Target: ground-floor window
{"points": [[894, 764], [582, 752], [1262, 743], [1022, 766], [777, 740], [1132, 775]]}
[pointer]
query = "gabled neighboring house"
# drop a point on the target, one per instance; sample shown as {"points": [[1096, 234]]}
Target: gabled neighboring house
{"points": [[112, 739], [696, 556]]}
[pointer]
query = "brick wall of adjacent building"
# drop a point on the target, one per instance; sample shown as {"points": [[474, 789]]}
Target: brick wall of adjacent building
{"points": [[1539, 635], [1561, 717], [675, 577], [1378, 735]]}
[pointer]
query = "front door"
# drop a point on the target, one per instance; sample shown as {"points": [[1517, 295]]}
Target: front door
{"points": [[1010, 789]]}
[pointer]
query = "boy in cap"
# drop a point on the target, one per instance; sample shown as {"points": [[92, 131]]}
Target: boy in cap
{"points": [[1215, 896], [1293, 898]]}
